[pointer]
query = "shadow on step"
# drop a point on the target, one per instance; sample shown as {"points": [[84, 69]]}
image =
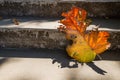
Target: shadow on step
{"points": [[50, 53]]}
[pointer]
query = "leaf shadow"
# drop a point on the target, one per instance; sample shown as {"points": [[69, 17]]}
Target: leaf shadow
{"points": [[66, 63], [3, 60], [96, 68]]}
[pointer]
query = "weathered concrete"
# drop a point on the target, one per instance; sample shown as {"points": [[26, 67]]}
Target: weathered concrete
{"points": [[31, 38], [54, 8], [36, 38]]}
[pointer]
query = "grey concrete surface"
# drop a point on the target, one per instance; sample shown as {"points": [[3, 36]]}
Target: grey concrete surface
{"points": [[43, 64], [51, 1], [54, 8]]}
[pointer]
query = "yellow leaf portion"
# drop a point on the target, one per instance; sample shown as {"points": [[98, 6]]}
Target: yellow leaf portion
{"points": [[79, 50]]}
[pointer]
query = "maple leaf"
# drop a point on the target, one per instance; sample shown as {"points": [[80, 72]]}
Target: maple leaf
{"points": [[85, 45]]}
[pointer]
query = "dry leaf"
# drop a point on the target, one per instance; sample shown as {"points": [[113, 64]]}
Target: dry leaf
{"points": [[85, 45], [15, 21]]}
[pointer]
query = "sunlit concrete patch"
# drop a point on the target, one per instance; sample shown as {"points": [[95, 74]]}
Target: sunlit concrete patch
{"points": [[28, 64], [30, 69], [39, 23], [101, 28], [30, 23], [43, 69]]}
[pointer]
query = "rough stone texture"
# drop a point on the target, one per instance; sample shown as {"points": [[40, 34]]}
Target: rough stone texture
{"points": [[31, 38], [115, 40], [37, 38], [52, 8]]}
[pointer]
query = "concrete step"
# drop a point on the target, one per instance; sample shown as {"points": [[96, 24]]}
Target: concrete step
{"points": [[54, 8], [31, 64], [16, 54], [42, 33], [40, 38]]}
